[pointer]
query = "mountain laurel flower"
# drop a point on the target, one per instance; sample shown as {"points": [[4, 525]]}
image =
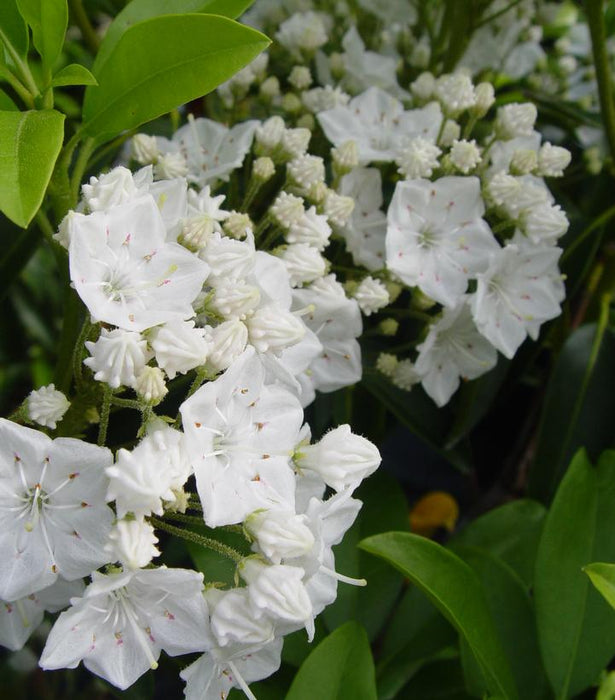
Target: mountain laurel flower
{"points": [[423, 87], [450, 133], [179, 347], [484, 97], [300, 77], [269, 135], [372, 295], [132, 542], [263, 169], [287, 209], [345, 157], [464, 155], [386, 363], [233, 620], [455, 93], [118, 357], [322, 98], [404, 375], [303, 262], [523, 161], [235, 299], [144, 149], [150, 385], [311, 228], [229, 258], [305, 170], [272, 329], [170, 165], [341, 458], [295, 142], [270, 88], [418, 158], [516, 119], [552, 160], [545, 222], [279, 534], [303, 31], [47, 406], [109, 190], [237, 225], [338, 208], [228, 341]]}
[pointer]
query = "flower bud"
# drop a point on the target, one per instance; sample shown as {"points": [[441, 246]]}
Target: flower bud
{"points": [[263, 169], [418, 158], [235, 299], [306, 170], [170, 165], [300, 77], [227, 342], [280, 534], [345, 157], [179, 347], [464, 156], [144, 149], [484, 95], [295, 142], [455, 93], [338, 208], [133, 543], [269, 134], [371, 295], [291, 104], [270, 88], [404, 375], [237, 225], [310, 228], [552, 160], [386, 363], [303, 263], [523, 161], [423, 87], [150, 385], [515, 119], [272, 329], [117, 357], [450, 133], [47, 406], [287, 209]]}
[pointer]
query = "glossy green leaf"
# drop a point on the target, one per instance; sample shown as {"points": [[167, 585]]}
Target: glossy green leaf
{"points": [[341, 667], [579, 407], [576, 629], [48, 20], [13, 28], [603, 578], [162, 63], [456, 591], [510, 532], [73, 74], [29, 146], [140, 10]]}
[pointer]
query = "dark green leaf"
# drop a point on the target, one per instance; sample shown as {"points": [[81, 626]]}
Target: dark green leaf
{"points": [[162, 63], [440, 680], [579, 407], [48, 20], [73, 74], [603, 578], [576, 630], [341, 667], [29, 146], [456, 591], [13, 29]]}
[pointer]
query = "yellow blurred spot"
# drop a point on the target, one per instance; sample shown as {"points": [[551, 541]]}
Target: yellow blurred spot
{"points": [[434, 510]]}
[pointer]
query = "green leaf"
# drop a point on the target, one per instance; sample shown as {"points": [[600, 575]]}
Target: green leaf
{"points": [[457, 592], [48, 20], [13, 29], [29, 146], [340, 667], [162, 63], [576, 630], [140, 10], [511, 533], [603, 578], [579, 407], [6, 103], [73, 74], [440, 680]]}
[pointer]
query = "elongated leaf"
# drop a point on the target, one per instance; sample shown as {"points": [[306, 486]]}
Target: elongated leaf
{"points": [[341, 667], [162, 63], [603, 578], [13, 28], [140, 10], [456, 591], [29, 146], [48, 20], [576, 630], [579, 408], [73, 74]]}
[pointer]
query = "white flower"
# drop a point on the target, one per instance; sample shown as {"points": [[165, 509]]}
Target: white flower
{"points": [[110, 190], [204, 217], [305, 170], [515, 119], [268, 135], [280, 534], [304, 31], [170, 165], [132, 543], [464, 155], [320, 99], [544, 223], [450, 133], [341, 458], [300, 77], [520, 290], [303, 262], [378, 124], [263, 169], [123, 621], [372, 295], [338, 208], [118, 357], [53, 517], [150, 385], [271, 328], [144, 148], [484, 94], [345, 158], [287, 209], [418, 158], [47, 406], [179, 347], [228, 258], [233, 620], [310, 228], [404, 375], [126, 273], [235, 299], [436, 238], [295, 142], [455, 92], [228, 341], [424, 86], [453, 348], [553, 160]]}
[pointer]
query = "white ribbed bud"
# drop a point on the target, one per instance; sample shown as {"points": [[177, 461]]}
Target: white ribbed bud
{"points": [[272, 329], [320, 99], [150, 385], [464, 156], [263, 169], [545, 222], [117, 357], [179, 347], [503, 189], [515, 120], [287, 209], [237, 225], [450, 133], [338, 208], [423, 87], [235, 299], [144, 149], [280, 534], [233, 620], [227, 342], [523, 161], [303, 263], [455, 93], [341, 458], [295, 142], [386, 363], [291, 104], [196, 231], [418, 158], [269, 134], [553, 160], [318, 193], [306, 121], [345, 157], [371, 295], [311, 228], [132, 543], [170, 165], [270, 88], [405, 376], [300, 77], [229, 258], [109, 190], [484, 95], [47, 406], [306, 170]]}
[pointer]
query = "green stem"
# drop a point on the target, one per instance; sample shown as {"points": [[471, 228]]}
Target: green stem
{"points": [[18, 86], [45, 226], [206, 542], [22, 67], [600, 221], [595, 19], [83, 22], [105, 410], [80, 166], [78, 351], [497, 14], [126, 403]]}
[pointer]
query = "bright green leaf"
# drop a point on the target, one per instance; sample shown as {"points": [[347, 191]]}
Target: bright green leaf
{"points": [[73, 74], [48, 20], [603, 578], [13, 29], [29, 146], [457, 592], [140, 10], [341, 667], [162, 63], [576, 629], [6, 103]]}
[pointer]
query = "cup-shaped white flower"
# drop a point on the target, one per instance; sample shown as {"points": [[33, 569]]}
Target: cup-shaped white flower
{"points": [[279, 534], [126, 273], [233, 620], [341, 458], [123, 621], [53, 516]]}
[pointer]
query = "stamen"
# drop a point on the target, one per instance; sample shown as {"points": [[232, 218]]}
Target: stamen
{"points": [[242, 684], [342, 578]]}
